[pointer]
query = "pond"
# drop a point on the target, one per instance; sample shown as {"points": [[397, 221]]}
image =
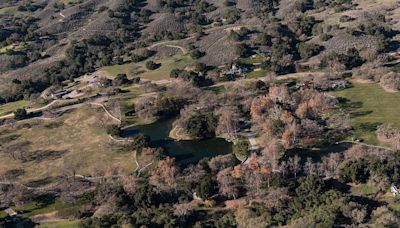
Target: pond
{"points": [[186, 151]]}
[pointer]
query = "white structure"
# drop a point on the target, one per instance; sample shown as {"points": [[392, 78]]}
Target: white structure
{"points": [[394, 189], [235, 69]]}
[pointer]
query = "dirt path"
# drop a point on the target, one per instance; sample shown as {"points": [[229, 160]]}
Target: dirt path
{"points": [[107, 112], [172, 43], [31, 110], [367, 145], [267, 78]]}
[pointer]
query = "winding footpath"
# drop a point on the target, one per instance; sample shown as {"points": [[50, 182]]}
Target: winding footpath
{"points": [[31, 110]]}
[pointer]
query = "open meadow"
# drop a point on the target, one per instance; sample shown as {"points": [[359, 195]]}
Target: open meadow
{"points": [[139, 69], [33, 150], [370, 106]]}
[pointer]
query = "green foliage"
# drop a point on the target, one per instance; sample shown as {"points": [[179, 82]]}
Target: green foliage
{"points": [[325, 37], [350, 60], [206, 188], [151, 65], [355, 171], [121, 79], [20, 114], [304, 25], [138, 142], [227, 221], [196, 54], [195, 78], [114, 130], [202, 125], [232, 15], [241, 149], [307, 50], [169, 106], [242, 50]]}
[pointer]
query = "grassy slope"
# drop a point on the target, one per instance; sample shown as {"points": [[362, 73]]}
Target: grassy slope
{"points": [[12, 106], [79, 133], [131, 69], [61, 224], [375, 106], [12, 47]]}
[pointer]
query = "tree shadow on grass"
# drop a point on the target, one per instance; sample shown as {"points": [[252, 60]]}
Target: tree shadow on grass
{"points": [[360, 113], [347, 104], [41, 155], [371, 127]]}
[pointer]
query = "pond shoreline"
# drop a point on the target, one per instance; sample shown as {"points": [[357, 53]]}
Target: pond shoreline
{"points": [[184, 151]]}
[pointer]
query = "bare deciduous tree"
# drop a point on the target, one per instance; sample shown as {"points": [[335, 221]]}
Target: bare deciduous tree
{"points": [[228, 185], [294, 164]]}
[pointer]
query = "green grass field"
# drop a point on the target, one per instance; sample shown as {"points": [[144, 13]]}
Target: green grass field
{"points": [[12, 106], [363, 189], [256, 74], [252, 59], [370, 106], [139, 69]]}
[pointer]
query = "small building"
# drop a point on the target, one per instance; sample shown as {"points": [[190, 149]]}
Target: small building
{"points": [[393, 189], [235, 70]]}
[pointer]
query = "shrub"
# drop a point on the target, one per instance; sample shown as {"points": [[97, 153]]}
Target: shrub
{"points": [[232, 15], [325, 37], [121, 79], [114, 130], [345, 18], [196, 54], [20, 114], [307, 50], [151, 65], [241, 149]]}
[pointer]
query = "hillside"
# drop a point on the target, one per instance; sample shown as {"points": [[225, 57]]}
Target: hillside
{"points": [[199, 113]]}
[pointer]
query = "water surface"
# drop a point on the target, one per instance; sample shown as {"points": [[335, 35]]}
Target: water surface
{"points": [[186, 151]]}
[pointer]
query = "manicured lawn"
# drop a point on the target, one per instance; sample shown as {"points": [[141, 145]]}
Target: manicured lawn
{"points": [[139, 69], [363, 189], [257, 74], [252, 59], [34, 209], [370, 106], [12, 106]]}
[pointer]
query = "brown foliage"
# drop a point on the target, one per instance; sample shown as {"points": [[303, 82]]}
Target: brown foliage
{"points": [[163, 177]]}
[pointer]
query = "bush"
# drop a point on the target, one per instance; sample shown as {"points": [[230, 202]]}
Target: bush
{"points": [[121, 79], [197, 54], [139, 142], [20, 114], [151, 65], [345, 18], [307, 50], [114, 130], [325, 37], [242, 50], [232, 15], [241, 149]]}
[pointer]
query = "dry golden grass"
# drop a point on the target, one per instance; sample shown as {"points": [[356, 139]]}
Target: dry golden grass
{"points": [[81, 135]]}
